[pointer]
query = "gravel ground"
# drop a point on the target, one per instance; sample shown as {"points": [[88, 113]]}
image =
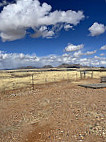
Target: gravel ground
{"points": [[55, 112]]}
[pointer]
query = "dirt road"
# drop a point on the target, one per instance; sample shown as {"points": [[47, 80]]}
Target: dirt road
{"points": [[56, 112]]}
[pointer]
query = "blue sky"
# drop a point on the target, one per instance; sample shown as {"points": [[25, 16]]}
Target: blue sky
{"points": [[42, 32]]}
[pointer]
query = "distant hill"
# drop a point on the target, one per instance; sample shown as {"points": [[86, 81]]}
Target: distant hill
{"points": [[27, 67], [70, 66], [47, 66]]}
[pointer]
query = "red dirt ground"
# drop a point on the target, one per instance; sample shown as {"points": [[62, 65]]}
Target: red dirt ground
{"points": [[55, 112]]}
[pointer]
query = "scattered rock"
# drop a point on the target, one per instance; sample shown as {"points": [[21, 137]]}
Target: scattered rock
{"points": [[12, 94]]}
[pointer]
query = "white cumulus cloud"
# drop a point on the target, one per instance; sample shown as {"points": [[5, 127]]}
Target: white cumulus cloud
{"points": [[97, 29], [78, 54], [90, 52], [44, 32], [16, 18], [102, 54], [72, 47], [68, 27], [103, 47]]}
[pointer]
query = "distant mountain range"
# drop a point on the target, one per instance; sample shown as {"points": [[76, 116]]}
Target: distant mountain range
{"points": [[60, 66], [70, 66], [47, 66], [27, 67]]}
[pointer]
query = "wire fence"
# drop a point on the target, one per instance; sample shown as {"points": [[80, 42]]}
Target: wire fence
{"points": [[15, 80]]}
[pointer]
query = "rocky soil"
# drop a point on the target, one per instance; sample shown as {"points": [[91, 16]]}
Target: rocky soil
{"points": [[55, 112]]}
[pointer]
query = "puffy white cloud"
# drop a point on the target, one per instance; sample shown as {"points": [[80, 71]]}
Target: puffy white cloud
{"points": [[90, 52], [14, 60], [67, 27], [16, 18], [103, 47], [95, 61], [44, 32], [97, 29], [72, 47], [78, 54], [102, 54], [103, 63], [12, 34]]}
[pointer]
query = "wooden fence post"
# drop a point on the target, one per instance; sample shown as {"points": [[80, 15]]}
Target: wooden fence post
{"points": [[32, 81], [80, 75], [92, 74]]}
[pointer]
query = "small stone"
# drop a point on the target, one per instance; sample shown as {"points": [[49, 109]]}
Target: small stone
{"points": [[67, 134], [103, 133], [13, 94]]}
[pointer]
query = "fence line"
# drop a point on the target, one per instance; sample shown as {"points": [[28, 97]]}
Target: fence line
{"points": [[15, 81]]}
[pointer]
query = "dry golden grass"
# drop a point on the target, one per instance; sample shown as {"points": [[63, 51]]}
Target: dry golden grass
{"points": [[23, 78]]}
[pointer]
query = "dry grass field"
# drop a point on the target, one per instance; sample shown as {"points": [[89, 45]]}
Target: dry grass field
{"points": [[15, 79]]}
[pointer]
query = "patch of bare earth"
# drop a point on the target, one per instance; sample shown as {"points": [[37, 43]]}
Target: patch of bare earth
{"points": [[55, 112]]}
